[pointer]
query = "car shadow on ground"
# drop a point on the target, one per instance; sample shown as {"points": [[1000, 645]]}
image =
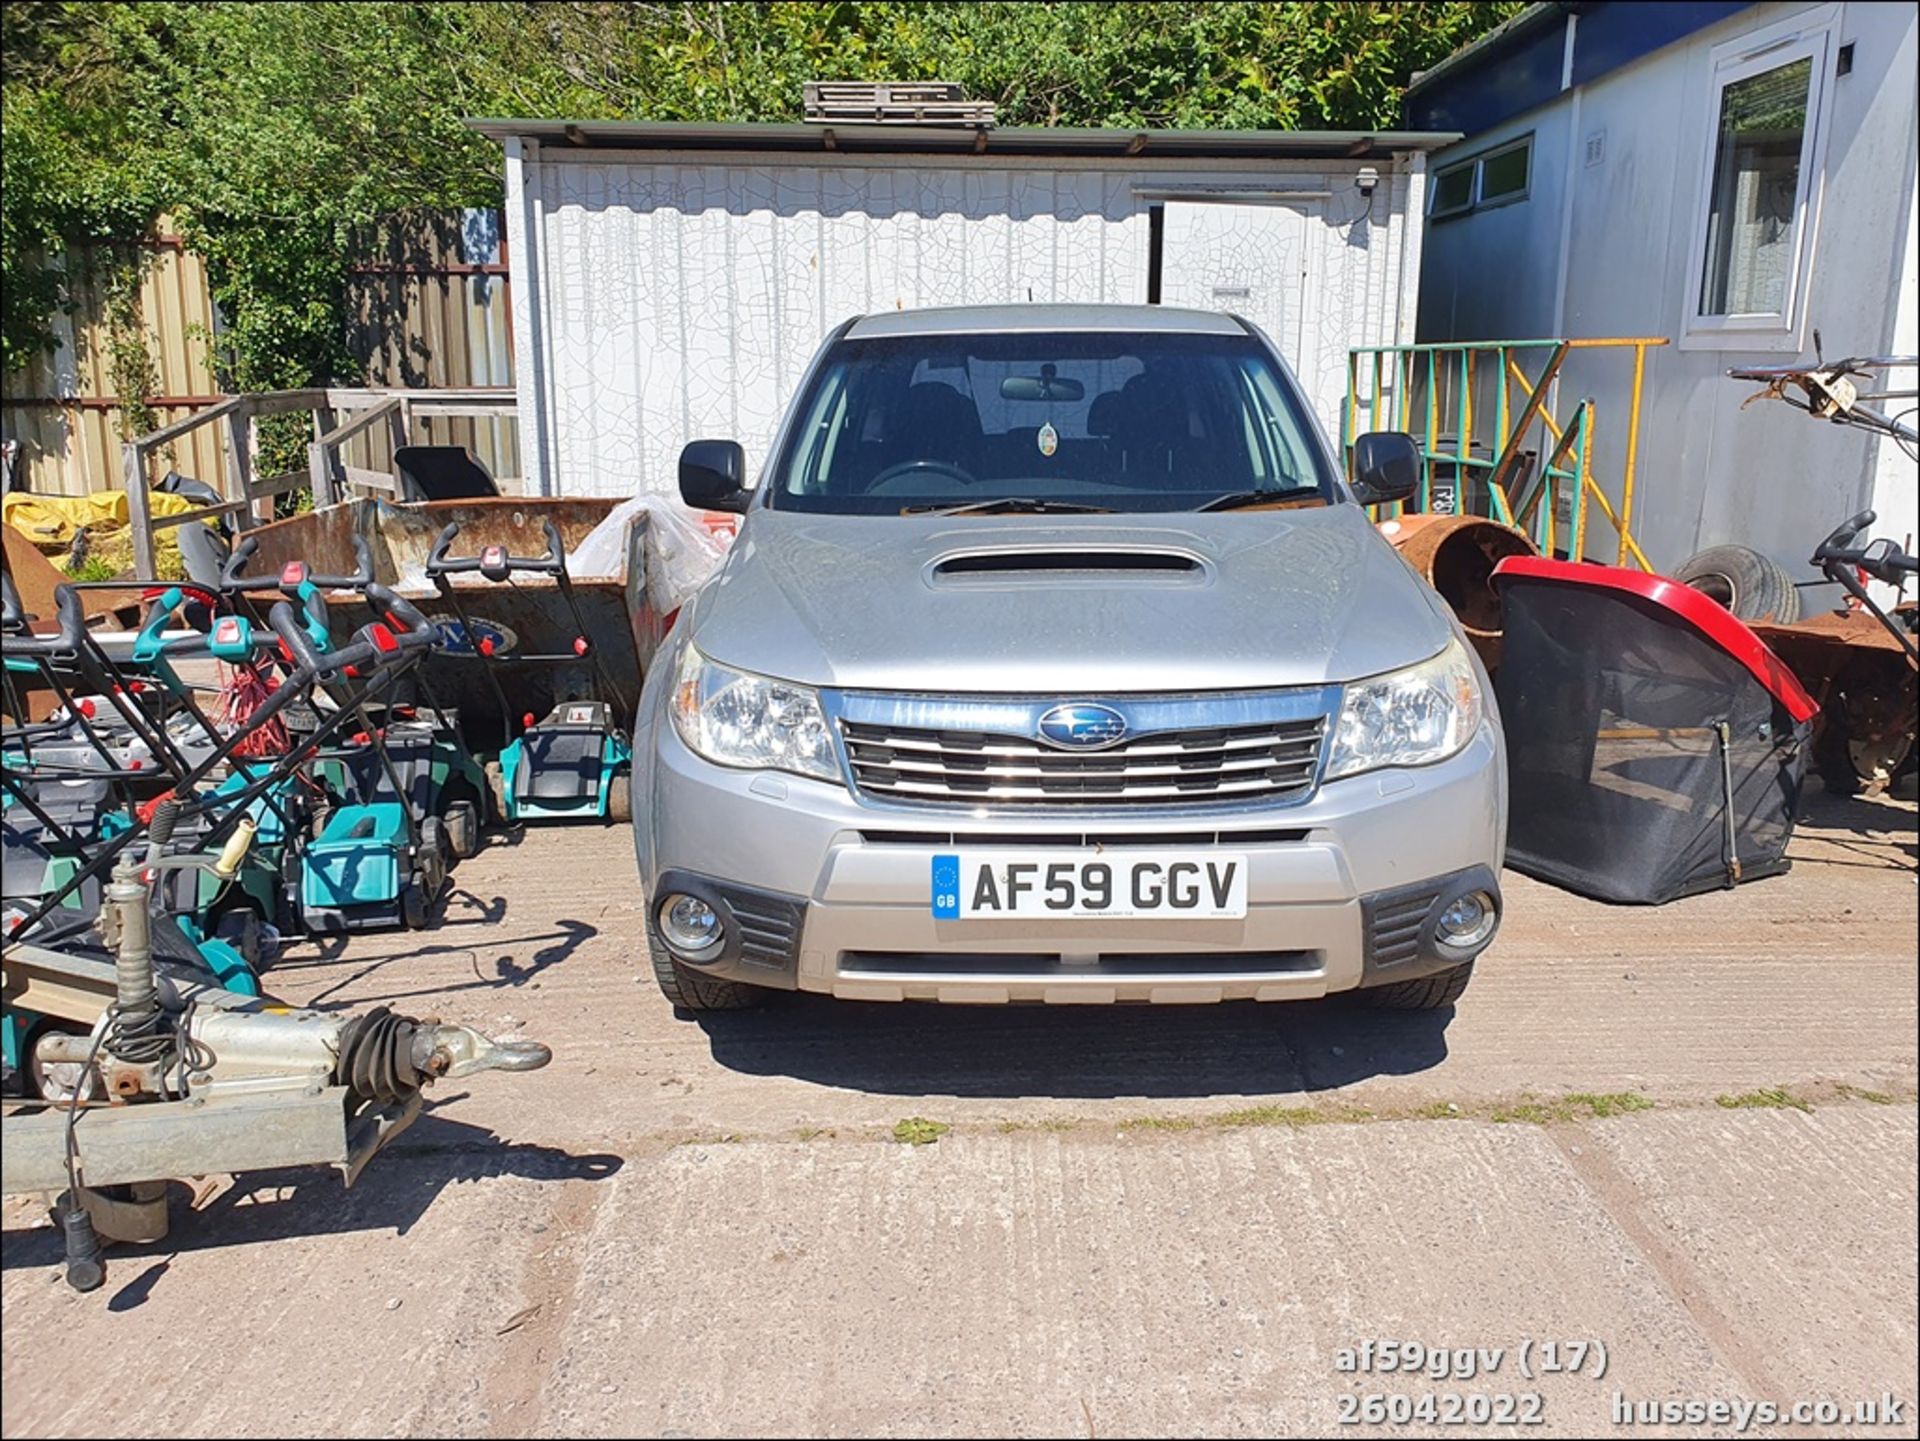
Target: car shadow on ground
{"points": [[392, 1194], [1237, 1048]]}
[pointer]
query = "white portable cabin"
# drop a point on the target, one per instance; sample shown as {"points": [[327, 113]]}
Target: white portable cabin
{"points": [[1733, 178], [671, 281]]}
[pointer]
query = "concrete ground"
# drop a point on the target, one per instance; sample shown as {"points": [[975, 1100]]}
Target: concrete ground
{"points": [[1686, 1134]]}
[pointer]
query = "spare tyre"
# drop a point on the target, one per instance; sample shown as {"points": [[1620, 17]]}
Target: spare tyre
{"points": [[1745, 582]]}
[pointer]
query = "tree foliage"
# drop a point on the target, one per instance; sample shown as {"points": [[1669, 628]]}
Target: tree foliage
{"points": [[275, 134]]}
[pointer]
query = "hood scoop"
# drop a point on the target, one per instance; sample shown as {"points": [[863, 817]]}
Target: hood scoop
{"points": [[1055, 565]]}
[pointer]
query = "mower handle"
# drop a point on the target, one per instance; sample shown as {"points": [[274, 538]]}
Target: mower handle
{"points": [[296, 582], [294, 575], [494, 562], [1835, 546], [373, 646], [224, 638], [402, 614], [232, 638], [312, 614], [12, 617], [390, 645], [63, 642], [1880, 559]]}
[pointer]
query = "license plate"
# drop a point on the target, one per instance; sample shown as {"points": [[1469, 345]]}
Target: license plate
{"points": [[1197, 885]]}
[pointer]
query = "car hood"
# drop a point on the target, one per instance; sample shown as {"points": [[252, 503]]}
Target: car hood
{"points": [[1052, 605]]}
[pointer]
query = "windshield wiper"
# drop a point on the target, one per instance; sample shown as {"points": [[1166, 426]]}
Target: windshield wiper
{"points": [[1010, 505], [1240, 499]]}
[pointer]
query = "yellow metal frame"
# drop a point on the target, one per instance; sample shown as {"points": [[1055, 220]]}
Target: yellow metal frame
{"points": [[1573, 441]]}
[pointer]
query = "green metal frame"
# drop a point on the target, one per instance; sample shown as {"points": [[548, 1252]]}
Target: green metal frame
{"points": [[1569, 463]]}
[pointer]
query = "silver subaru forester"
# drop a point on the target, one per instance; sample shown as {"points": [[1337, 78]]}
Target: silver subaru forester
{"points": [[1056, 660]]}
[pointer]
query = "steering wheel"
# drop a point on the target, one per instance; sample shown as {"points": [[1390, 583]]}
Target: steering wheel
{"points": [[919, 467]]}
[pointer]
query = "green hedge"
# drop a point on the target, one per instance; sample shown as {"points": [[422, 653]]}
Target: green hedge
{"points": [[276, 133]]}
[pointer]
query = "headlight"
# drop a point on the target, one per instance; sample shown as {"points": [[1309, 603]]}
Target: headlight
{"points": [[1411, 717], [733, 718]]}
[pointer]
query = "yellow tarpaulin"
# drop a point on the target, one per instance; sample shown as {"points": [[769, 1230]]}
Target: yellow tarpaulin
{"points": [[52, 521]]}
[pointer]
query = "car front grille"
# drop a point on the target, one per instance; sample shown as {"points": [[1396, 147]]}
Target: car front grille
{"points": [[1265, 761], [1116, 965]]}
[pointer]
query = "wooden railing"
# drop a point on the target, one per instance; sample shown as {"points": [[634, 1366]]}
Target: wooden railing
{"points": [[249, 497]]}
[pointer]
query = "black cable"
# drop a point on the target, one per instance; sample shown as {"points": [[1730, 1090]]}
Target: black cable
{"points": [[195, 1055], [146, 1039], [48, 934], [84, 1271], [1908, 447]]}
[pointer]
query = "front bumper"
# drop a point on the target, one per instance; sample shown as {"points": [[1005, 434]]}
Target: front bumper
{"points": [[833, 896]]}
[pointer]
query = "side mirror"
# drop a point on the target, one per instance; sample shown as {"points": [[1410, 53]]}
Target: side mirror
{"points": [[1386, 467], [713, 476]]}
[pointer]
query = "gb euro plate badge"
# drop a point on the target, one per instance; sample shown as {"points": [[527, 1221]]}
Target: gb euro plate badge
{"points": [[988, 885]]}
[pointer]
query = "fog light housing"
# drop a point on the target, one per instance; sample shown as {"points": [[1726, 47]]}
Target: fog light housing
{"points": [[690, 926], [1466, 921]]}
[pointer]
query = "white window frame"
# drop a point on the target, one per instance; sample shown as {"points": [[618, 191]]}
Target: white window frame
{"points": [[1807, 36], [1472, 167], [1480, 200], [1475, 163]]}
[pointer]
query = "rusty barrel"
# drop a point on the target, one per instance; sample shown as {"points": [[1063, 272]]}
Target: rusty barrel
{"points": [[1456, 555]]}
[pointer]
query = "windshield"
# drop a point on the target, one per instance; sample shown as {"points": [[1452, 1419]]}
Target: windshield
{"points": [[1078, 421]]}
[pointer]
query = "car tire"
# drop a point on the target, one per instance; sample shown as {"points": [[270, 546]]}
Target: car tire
{"points": [[1745, 582], [688, 990], [1429, 993]]}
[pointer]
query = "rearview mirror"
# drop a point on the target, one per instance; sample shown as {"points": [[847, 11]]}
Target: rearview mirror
{"points": [[1044, 386], [1386, 467], [713, 476]]}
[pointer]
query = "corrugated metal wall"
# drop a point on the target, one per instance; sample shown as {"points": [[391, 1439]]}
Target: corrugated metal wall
{"points": [[678, 298], [62, 407], [428, 307]]}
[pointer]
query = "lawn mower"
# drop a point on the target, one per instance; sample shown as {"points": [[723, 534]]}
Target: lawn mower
{"points": [[155, 1072], [399, 799], [73, 794], [575, 762], [76, 780], [1858, 659], [194, 924], [378, 856]]}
